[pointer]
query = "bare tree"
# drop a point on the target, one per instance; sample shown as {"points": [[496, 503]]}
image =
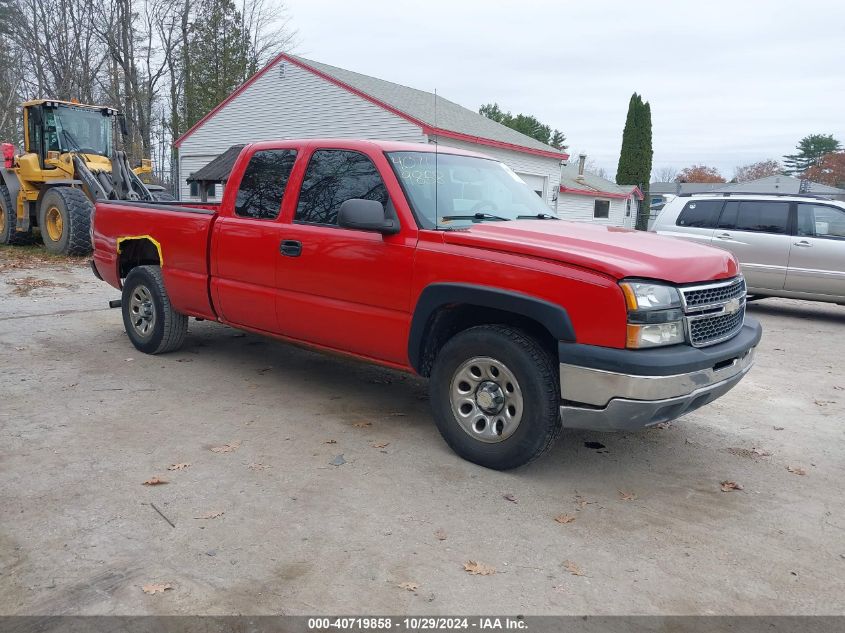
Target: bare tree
{"points": [[665, 174]]}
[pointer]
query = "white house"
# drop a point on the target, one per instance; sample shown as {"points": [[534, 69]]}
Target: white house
{"points": [[587, 197], [293, 97]]}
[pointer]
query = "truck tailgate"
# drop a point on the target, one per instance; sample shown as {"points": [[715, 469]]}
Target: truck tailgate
{"points": [[181, 237]]}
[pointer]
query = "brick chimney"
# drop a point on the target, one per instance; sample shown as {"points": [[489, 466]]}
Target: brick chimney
{"points": [[582, 160]]}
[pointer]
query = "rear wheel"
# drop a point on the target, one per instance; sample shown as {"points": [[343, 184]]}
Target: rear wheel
{"points": [[8, 221], [495, 395], [64, 218], [152, 324]]}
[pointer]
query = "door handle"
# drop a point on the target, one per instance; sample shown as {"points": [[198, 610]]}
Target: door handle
{"points": [[802, 243], [724, 236], [291, 248]]}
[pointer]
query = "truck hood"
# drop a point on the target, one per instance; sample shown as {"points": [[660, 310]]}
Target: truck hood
{"points": [[614, 251]]}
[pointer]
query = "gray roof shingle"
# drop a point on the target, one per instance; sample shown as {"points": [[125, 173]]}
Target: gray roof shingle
{"points": [[588, 181], [419, 105]]}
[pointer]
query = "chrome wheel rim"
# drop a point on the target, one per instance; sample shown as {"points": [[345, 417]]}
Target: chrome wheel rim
{"points": [[142, 312], [486, 399]]}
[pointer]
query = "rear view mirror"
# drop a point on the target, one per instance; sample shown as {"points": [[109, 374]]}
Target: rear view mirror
{"points": [[366, 215]]}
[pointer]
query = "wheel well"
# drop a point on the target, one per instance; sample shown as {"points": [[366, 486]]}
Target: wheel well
{"points": [[137, 251], [449, 320]]}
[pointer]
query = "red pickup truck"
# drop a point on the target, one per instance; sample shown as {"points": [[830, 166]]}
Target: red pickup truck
{"points": [[444, 263]]}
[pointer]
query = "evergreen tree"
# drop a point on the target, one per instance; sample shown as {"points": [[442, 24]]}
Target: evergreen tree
{"points": [[810, 150], [526, 124], [218, 58], [635, 158]]}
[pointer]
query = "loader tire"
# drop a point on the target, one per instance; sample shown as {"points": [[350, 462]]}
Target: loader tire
{"points": [[64, 218], [8, 221]]}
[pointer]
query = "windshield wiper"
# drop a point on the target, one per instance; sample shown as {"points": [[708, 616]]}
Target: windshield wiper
{"points": [[538, 216], [476, 216]]}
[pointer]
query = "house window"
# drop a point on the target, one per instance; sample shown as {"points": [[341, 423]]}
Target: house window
{"points": [[628, 208], [601, 209], [195, 188], [210, 190]]}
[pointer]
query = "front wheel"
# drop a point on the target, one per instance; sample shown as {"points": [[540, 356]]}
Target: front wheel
{"points": [[152, 324], [64, 218], [495, 395]]}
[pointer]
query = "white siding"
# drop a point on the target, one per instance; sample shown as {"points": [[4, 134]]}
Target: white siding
{"points": [[298, 105], [580, 208], [520, 162]]}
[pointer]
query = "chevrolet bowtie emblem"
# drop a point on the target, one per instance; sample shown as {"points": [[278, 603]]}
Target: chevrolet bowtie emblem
{"points": [[732, 306]]}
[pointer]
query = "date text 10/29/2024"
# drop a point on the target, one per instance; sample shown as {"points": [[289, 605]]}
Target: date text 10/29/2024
{"points": [[417, 623]]}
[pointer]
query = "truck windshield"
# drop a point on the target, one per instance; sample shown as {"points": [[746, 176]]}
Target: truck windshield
{"points": [[450, 191], [73, 129]]}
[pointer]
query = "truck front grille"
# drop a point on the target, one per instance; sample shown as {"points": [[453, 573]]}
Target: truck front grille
{"points": [[714, 312]]}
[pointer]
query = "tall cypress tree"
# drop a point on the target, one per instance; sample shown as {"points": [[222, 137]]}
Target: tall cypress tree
{"points": [[635, 158]]}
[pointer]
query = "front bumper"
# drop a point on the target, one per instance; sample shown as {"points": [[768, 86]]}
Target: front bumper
{"points": [[621, 390]]}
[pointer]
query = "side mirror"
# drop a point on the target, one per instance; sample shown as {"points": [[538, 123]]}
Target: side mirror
{"points": [[366, 215]]}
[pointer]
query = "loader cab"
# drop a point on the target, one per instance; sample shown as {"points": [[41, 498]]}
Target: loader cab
{"points": [[53, 128]]}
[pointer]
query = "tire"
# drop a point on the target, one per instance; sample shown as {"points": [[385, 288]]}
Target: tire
{"points": [[8, 221], [64, 217], [152, 324], [518, 383]]}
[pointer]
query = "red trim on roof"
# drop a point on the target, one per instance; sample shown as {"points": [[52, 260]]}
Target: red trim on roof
{"points": [[426, 129], [602, 194]]}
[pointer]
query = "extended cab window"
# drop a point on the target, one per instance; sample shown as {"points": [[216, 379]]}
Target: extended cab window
{"points": [[700, 214], [758, 216], [821, 220], [332, 178], [263, 184]]}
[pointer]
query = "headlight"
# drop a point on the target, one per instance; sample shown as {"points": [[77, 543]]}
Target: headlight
{"points": [[655, 317]]}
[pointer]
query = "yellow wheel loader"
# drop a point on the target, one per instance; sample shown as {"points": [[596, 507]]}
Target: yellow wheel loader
{"points": [[69, 163]]}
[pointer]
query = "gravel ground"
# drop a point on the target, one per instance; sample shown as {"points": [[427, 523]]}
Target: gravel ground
{"points": [[334, 487]]}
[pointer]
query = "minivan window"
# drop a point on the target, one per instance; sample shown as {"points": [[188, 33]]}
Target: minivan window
{"points": [[700, 214], [821, 220], [332, 178], [758, 216], [263, 184]]}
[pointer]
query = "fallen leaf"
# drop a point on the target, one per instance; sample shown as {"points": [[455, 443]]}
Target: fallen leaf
{"points": [[564, 518], [582, 502], [663, 425], [338, 460], [440, 534], [727, 486], [573, 568], [778, 428], [155, 481], [211, 515], [362, 425], [510, 497], [626, 496], [380, 444], [796, 470], [154, 588], [410, 586], [478, 569], [330, 442], [178, 466], [226, 448], [761, 452]]}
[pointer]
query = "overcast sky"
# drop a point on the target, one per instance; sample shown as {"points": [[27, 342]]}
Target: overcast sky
{"points": [[729, 82]]}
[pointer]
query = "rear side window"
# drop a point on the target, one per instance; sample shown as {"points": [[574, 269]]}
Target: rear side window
{"points": [[757, 216], [821, 220], [263, 185], [332, 178], [700, 214]]}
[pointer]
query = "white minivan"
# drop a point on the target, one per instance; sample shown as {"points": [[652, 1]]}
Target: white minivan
{"points": [[788, 245]]}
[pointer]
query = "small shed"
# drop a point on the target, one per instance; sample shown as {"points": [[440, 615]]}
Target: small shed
{"points": [[587, 197], [203, 182]]}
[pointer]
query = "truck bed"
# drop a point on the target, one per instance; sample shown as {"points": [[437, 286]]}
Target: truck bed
{"points": [[180, 233]]}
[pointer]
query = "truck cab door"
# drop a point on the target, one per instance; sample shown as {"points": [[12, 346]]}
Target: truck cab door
{"points": [[245, 243], [343, 288]]}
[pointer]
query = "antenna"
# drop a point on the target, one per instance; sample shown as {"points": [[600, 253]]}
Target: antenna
{"points": [[436, 143]]}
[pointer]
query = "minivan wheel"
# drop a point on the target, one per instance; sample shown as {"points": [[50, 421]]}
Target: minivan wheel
{"points": [[495, 395]]}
